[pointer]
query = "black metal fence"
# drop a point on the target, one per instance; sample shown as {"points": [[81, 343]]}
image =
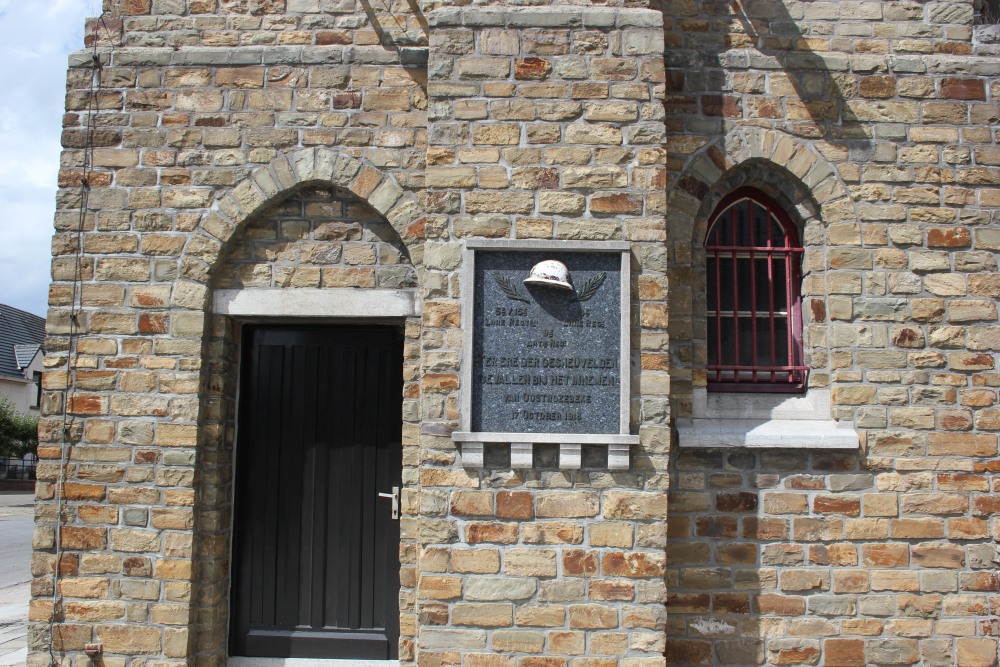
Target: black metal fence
{"points": [[18, 469]]}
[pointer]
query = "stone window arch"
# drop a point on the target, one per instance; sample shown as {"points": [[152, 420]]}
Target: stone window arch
{"points": [[758, 418], [782, 192]]}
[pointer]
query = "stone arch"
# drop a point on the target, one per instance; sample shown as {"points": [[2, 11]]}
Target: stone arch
{"points": [[700, 185], [773, 180], [267, 184]]}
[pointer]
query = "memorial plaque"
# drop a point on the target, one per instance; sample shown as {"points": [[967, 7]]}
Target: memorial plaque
{"points": [[547, 354]]}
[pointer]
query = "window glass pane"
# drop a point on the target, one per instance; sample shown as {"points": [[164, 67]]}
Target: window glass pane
{"points": [[719, 234], [764, 327], [764, 343], [761, 221], [727, 233], [742, 232], [778, 234], [770, 279], [713, 343], [728, 348], [766, 227], [781, 341], [746, 342], [779, 286], [725, 278], [725, 226], [712, 283], [763, 283], [744, 285]]}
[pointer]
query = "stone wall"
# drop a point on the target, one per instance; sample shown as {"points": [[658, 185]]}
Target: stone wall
{"points": [[330, 144], [829, 558], [192, 140], [315, 239], [545, 125], [876, 129], [204, 179]]}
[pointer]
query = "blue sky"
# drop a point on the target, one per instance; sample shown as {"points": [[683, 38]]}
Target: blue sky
{"points": [[35, 38]]}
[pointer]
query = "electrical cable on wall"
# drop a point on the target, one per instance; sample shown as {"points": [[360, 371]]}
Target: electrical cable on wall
{"points": [[66, 441]]}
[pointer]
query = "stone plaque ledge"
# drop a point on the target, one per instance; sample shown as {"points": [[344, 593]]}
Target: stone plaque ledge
{"points": [[557, 245], [522, 447]]}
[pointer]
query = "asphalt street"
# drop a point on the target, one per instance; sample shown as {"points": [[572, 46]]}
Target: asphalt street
{"points": [[16, 524], [15, 549]]}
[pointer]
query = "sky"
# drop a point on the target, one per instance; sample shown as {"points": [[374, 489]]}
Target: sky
{"points": [[36, 36]]}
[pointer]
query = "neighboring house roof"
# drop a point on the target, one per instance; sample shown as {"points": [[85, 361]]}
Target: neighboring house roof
{"points": [[23, 354], [21, 334]]}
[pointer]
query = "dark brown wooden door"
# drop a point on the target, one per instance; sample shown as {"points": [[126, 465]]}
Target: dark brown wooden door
{"points": [[316, 550]]}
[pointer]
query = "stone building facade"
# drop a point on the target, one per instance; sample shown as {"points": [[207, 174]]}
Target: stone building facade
{"points": [[232, 162]]}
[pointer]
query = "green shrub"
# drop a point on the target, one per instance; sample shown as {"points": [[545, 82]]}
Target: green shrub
{"points": [[18, 432]]}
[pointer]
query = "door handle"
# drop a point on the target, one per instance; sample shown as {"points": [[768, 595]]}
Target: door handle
{"points": [[395, 500]]}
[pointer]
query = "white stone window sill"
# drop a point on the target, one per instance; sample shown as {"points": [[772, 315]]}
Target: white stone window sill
{"points": [[773, 433], [764, 421], [235, 661]]}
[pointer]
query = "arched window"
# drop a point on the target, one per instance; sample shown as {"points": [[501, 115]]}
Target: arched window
{"points": [[753, 302]]}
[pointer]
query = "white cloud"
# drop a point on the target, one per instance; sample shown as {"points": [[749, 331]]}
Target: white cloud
{"points": [[35, 38]]}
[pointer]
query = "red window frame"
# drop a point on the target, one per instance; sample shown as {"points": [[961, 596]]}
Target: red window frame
{"points": [[753, 289]]}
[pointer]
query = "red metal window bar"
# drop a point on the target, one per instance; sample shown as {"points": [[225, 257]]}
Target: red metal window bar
{"points": [[753, 258]]}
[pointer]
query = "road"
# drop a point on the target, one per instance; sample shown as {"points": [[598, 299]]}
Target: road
{"points": [[15, 549], [16, 525]]}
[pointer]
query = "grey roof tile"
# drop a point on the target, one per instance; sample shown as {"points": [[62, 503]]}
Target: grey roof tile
{"points": [[23, 354], [18, 329]]}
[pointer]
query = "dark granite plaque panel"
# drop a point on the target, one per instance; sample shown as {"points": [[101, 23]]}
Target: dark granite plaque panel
{"points": [[546, 360]]}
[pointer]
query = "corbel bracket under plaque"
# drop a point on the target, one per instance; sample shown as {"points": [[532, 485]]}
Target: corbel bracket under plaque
{"points": [[522, 453]]}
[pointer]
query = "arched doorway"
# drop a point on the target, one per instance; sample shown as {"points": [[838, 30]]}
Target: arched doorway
{"points": [[311, 300]]}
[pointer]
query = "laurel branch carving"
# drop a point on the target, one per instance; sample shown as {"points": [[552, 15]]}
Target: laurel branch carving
{"points": [[508, 287], [591, 286]]}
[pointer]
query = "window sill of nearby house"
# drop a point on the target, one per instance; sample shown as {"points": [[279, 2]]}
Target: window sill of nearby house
{"points": [[764, 421]]}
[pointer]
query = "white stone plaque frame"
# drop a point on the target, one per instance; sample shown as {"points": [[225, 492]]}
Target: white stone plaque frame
{"points": [[472, 442]]}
